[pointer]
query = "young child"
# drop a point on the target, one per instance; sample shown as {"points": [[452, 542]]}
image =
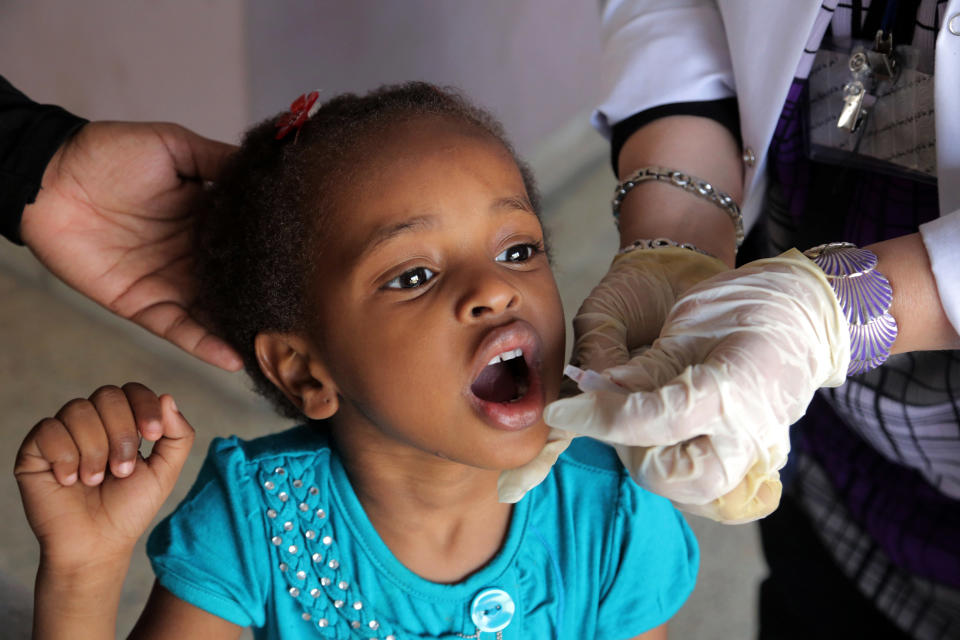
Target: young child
{"points": [[381, 266]]}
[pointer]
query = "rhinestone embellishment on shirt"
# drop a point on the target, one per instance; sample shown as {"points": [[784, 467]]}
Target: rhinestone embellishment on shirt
{"points": [[298, 530]]}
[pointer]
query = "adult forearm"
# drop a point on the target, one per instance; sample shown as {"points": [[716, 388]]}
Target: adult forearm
{"points": [[697, 146], [921, 321], [78, 604]]}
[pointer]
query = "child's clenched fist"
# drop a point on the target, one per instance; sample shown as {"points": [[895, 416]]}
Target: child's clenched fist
{"points": [[87, 491]]}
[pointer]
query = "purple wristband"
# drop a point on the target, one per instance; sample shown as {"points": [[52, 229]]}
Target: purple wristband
{"points": [[865, 297]]}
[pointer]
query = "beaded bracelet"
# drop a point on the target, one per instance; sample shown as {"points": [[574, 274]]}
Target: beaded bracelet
{"points": [[865, 296], [690, 184]]}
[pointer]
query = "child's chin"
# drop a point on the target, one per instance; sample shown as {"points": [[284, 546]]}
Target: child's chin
{"points": [[522, 452]]}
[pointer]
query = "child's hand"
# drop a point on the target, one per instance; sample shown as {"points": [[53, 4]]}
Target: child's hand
{"points": [[81, 511]]}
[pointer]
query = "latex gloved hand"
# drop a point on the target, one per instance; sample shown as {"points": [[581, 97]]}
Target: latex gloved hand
{"points": [[626, 310], [623, 313], [702, 417]]}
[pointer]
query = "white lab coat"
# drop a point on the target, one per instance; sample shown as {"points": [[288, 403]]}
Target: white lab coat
{"points": [[665, 51]]}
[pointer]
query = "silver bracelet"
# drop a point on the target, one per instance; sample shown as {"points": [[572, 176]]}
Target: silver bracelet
{"points": [[865, 297], [659, 243], [690, 184]]}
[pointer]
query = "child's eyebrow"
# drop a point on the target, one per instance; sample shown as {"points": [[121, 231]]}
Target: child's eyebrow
{"points": [[388, 232], [520, 202], [427, 221]]}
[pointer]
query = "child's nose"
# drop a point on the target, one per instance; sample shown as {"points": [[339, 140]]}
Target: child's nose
{"points": [[486, 295]]}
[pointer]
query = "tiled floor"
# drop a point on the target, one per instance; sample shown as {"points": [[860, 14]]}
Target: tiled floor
{"points": [[54, 347]]}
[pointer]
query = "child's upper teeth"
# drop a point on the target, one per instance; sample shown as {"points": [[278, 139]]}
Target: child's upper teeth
{"points": [[506, 355]]}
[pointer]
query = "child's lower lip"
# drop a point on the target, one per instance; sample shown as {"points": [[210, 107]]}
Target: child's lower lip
{"points": [[516, 415]]}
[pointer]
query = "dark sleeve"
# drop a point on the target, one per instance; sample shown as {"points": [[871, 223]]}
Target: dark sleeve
{"points": [[30, 134], [725, 111]]}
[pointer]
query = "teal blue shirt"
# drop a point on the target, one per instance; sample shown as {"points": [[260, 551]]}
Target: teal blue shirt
{"points": [[272, 536]]}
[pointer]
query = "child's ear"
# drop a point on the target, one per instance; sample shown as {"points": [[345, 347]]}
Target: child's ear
{"points": [[296, 370]]}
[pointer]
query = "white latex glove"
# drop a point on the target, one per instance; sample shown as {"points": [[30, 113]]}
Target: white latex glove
{"points": [[624, 312], [703, 415], [514, 483]]}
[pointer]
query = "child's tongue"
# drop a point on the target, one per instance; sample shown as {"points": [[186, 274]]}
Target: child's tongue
{"points": [[495, 383]]}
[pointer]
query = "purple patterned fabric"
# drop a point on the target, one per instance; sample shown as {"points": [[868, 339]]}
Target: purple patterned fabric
{"points": [[787, 151], [916, 526]]}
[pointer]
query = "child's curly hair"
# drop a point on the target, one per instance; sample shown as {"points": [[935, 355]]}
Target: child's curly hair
{"points": [[262, 220]]}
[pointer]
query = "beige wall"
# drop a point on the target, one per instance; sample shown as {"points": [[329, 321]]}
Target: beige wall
{"points": [[216, 65], [177, 60], [532, 62]]}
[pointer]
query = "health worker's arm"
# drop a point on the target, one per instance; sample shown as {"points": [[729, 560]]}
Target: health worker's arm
{"points": [[657, 54], [922, 320], [638, 37]]}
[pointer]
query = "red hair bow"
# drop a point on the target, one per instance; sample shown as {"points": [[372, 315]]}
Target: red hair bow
{"points": [[300, 111]]}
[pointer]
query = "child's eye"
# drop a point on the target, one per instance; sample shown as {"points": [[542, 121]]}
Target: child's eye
{"points": [[518, 253], [411, 279]]}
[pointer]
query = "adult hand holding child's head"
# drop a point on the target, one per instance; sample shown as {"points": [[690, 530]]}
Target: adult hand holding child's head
{"points": [[113, 220]]}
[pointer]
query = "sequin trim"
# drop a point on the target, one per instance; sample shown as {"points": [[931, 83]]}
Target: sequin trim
{"points": [[306, 555], [307, 559]]}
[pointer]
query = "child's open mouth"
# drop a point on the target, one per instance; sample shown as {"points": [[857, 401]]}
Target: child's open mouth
{"points": [[506, 387], [504, 379]]}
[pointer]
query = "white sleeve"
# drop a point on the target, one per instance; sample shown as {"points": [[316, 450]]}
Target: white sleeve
{"points": [[941, 237], [658, 53]]}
